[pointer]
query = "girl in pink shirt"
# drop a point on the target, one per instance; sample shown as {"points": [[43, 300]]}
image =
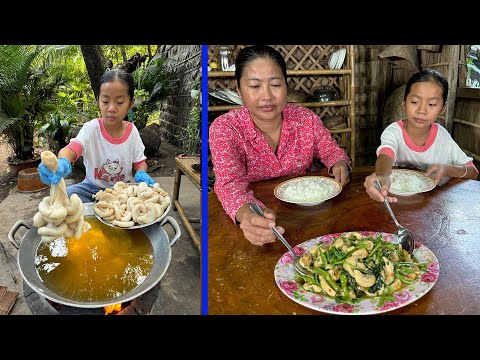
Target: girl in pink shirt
{"points": [[264, 139], [110, 146], [418, 141]]}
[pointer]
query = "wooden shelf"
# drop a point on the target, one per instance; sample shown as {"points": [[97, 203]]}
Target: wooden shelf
{"points": [[305, 104], [340, 131], [212, 74], [223, 108], [325, 103]]}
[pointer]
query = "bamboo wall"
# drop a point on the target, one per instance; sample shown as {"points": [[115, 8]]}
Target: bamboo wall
{"points": [[185, 62], [369, 90], [467, 126], [466, 122]]}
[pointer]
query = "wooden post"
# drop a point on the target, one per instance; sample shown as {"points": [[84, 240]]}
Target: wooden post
{"points": [[352, 102], [453, 84]]}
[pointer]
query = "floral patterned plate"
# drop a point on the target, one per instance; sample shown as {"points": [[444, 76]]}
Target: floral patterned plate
{"points": [[284, 278]]}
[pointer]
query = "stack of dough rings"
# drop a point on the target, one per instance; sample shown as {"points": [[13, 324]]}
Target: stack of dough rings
{"points": [[57, 214], [126, 205]]}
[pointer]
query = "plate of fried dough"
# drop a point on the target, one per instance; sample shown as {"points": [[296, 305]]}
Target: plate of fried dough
{"points": [[131, 205]]}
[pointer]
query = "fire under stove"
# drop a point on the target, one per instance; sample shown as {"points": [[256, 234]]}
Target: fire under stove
{"points": [[40, 305]]}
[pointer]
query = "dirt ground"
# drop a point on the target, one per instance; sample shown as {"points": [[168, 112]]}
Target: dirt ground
{"points": [[162, 164]]}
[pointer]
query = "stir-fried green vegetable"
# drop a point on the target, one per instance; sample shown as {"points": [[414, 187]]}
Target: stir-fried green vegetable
{"points": [[355, 266]]}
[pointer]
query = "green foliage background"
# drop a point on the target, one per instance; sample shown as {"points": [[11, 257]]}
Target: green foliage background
{"points": [[60, 70]]}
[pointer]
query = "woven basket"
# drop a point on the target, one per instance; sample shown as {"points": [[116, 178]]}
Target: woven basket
{"points": [[296, 96], [430, 48], [334, 122], [404, 56], [393, 110]]}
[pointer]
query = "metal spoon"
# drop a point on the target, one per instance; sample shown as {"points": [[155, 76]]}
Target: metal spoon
{"points": [[300, 269], [405, 236]]}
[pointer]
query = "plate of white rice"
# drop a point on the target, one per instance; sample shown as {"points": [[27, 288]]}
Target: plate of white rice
{"points": [[409, 182], [307, 190]]}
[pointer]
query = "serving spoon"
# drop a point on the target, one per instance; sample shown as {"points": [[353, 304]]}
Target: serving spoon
{"points": [[405, 236], [296, 264]]}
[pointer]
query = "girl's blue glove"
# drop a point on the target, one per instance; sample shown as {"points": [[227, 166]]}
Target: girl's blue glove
{"points": [[49, 178], [143, 176]]}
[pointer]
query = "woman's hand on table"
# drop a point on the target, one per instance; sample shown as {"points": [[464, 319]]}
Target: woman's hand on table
{"points": [[340, 172], [374, 193], [257, 229]]}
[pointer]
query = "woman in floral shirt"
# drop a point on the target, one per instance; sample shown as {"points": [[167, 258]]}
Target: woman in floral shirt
{"points": [[264, 139]]}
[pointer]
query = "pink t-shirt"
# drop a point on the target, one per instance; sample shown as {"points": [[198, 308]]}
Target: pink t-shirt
{"points": [[439, 148], [241, 154], [108, 160]]}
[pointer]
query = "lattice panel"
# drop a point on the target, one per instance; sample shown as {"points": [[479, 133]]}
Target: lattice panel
{"points": [[309, 84], [306, 83], [305, 57], [330, 111], [343, 140], [297, 57], [222, 84]]}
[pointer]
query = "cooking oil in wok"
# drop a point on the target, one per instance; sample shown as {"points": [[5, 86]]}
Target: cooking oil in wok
{"points": [[104, 263]]}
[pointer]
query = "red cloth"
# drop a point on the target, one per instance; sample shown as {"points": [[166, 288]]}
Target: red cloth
{"points": [[241, 154]]}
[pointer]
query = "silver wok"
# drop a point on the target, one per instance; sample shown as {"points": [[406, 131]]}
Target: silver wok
{"points": [[27, 250]]}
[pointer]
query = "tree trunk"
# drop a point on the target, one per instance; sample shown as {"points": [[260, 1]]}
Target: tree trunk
{"points": [[151, 138], [95, 63], [162, 49], [124, 53]]}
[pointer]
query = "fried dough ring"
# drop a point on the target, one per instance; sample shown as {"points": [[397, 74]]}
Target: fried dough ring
{"points": [[124, 224], [120, 187], [103, 209], [58, 215], [138, 210]]}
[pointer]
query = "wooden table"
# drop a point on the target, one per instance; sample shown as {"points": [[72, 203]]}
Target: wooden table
{"points": [[446, 220], [184, 167]]}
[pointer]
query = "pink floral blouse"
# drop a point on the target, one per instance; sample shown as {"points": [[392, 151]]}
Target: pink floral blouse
{"points": [[241, 154]]}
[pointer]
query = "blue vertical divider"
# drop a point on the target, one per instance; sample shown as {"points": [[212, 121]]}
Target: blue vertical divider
{"points": [[204, 182]]}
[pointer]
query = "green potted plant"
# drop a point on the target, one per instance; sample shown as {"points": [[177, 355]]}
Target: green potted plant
{"points": [[191, 137], [26, 90], [154, 84], [55, 131], [140, 96]]}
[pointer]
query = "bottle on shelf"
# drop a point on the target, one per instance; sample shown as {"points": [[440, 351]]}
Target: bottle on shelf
{"points": [[225, 57]]}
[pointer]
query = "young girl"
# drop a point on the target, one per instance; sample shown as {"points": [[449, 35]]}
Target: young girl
{"points": [[109, 145], [418, 141]]}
